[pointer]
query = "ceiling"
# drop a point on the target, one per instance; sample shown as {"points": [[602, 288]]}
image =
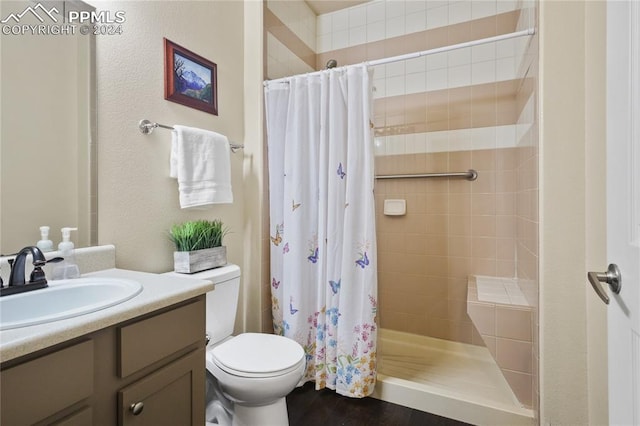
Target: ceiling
{"points": [[321, 7]]}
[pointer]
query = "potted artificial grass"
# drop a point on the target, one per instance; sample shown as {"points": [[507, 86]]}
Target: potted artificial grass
{"points": [[198, 245]]}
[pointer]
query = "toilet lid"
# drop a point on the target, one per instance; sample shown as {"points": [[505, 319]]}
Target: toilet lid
{"points": [[258, 353]]}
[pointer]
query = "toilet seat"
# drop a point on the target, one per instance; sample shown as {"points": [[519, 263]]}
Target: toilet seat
{"points": [[257, 355]]}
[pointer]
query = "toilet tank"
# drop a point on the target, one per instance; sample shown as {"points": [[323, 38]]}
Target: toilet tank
{"points": [[222, 302]]}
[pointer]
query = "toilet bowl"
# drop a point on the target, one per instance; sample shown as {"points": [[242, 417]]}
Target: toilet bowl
{"points": [[249, 375], [256, 372]]}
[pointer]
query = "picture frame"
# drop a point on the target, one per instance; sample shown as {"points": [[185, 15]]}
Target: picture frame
{"points": [[190, 79]]}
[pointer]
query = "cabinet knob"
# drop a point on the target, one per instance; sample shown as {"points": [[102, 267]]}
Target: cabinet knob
{"points": [[136, 408]]}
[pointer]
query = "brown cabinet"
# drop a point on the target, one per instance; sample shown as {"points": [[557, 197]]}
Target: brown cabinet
{"points": [[155, 361]]}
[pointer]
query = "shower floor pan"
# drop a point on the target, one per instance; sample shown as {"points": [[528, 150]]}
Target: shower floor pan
{"points": [[450, 379]]}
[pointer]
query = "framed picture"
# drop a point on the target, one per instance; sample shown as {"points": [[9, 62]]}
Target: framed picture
{"points": [[189, 79]]}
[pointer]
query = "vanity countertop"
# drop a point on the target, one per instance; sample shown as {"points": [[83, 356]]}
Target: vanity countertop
{"points": [[158, 291]]}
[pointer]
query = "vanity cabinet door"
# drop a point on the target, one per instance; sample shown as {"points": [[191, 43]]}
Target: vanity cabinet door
{"points": [[82, 417], [46, 387], [173, 395]]}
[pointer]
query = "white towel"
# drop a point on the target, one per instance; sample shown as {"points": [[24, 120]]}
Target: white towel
{"points": [[200, 160]]}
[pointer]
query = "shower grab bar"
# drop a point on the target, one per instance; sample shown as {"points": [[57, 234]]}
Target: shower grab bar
{"points": [[469, 175], [146, 127]]}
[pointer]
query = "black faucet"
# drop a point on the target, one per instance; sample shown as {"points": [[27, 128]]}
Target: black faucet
{"points": [[37, 279]]}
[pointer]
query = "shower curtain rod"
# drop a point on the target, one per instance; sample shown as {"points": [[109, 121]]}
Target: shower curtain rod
{"points": [[406, 56]]}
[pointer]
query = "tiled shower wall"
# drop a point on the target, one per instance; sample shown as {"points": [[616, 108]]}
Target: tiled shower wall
{"points": [[469, 108], [527, 191], [290, 34]]}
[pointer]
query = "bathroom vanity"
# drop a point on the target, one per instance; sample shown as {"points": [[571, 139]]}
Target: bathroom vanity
{"points": [[140, 362]]}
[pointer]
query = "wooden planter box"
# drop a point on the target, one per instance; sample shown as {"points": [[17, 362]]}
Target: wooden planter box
{"points": [[189, 262]]}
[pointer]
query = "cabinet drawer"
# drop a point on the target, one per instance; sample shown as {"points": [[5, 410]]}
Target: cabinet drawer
{"points": [[40, 388], [152, 339]]}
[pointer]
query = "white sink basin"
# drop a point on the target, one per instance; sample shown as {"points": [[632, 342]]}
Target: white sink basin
{"points": [[64, 299]]}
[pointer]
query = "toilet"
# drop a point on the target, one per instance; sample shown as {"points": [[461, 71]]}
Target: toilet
{"points": [[248, 375]]}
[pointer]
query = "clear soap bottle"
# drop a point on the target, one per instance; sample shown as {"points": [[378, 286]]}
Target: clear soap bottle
{"points": [[68, 268], [45, 244]]}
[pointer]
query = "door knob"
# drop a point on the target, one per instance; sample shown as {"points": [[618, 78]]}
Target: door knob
{"points": [[611, 277]]}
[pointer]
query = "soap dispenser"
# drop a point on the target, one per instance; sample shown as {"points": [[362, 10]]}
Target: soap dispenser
{"points": [[45, 244], [68, 267]]}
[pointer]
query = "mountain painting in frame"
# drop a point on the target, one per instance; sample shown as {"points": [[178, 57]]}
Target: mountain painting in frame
{"points": [[189, 79]]}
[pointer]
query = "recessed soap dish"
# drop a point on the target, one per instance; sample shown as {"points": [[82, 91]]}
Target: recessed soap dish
{"points": [[395, 207]]}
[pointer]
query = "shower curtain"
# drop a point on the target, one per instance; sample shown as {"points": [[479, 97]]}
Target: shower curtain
{"points": [[323, 246]]}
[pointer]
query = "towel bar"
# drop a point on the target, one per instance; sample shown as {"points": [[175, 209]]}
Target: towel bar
{"points": [[147, 127]]}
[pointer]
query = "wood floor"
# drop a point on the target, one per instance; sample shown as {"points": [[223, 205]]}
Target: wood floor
{"points": [[308, 407]]}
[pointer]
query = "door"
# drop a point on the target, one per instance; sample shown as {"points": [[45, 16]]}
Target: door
{"points": [[623, 208], [173, 395]]}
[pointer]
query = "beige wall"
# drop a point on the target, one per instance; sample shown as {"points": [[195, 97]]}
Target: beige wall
{"points": [[595, 215], [254, 171], [573, 384], [138, 201], [43, 136]]}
